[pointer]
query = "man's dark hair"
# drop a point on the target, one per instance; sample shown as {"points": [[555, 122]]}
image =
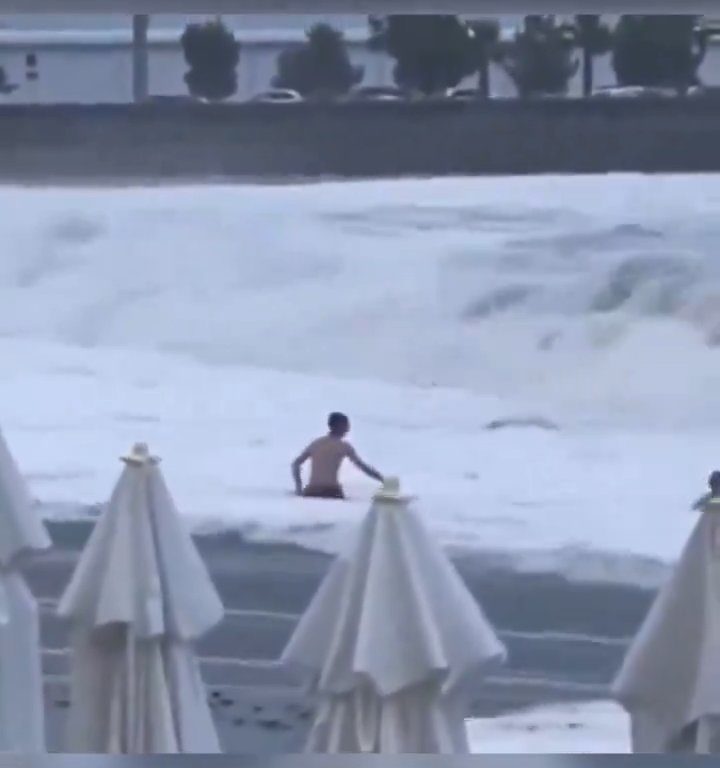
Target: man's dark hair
{"points": [[714, 481], [337, 421]]}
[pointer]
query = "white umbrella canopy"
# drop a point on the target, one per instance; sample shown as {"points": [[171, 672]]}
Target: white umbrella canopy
{"points": [[393, 642], [21, 529], [22, 722], [139, 598], [669, 682]]}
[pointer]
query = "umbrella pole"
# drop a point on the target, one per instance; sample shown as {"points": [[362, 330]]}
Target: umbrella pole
{"points": [[130, 691]]}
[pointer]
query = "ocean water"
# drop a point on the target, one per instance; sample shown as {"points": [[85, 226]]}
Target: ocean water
{"points": [[537, 358]]}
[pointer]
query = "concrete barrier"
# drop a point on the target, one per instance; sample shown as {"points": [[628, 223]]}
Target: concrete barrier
{"points": [[178, 140]]}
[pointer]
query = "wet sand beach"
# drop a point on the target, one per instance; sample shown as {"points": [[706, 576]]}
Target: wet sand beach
{"points": [[565, 639]]}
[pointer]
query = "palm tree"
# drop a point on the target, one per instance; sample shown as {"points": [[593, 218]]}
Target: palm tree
{"points": [[540, 56], [432, 52], [486, 34], [594, 38], [660, 50]]}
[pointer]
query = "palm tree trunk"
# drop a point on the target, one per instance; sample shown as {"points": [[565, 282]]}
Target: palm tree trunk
{"points": [[587, 73], [141, 22], [484, 79]]}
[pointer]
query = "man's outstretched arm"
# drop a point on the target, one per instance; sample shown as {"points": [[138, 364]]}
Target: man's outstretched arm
{"points": [[296, 468], [363, 467]]}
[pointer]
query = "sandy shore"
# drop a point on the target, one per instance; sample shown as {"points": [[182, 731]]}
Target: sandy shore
{"points": [[565, 640]]}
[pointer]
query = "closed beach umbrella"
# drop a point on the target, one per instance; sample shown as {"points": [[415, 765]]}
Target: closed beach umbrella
{"points": [[22, 723], [139, 599], [669, 682], [393, 642]]}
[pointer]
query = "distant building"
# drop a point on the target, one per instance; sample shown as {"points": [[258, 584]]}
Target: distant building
{"points": [[49, 62], [93, 66], [56, 58]]}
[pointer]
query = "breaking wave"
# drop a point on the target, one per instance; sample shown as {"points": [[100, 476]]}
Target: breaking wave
{"points": [[588, 298]]}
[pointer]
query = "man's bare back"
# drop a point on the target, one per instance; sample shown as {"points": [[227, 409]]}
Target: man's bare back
{"points": [[326, 455]]}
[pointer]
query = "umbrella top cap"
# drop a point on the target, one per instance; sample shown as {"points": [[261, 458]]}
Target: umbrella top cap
{"points": [[390, 491], [139, 456]]}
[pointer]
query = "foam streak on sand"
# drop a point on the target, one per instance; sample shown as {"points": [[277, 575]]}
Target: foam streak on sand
{"points": [[595, 727], [427, 309]]}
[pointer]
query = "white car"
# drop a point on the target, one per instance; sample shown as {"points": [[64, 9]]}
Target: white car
{"points": [[462, 94], [278, 96], [634, 92], [467, 94], [376, 93]]}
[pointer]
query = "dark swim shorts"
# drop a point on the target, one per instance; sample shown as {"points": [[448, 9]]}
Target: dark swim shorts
{"points": [[324, 492]]}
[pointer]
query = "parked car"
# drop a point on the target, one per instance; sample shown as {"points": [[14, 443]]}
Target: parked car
{"points": [[635, 92], [278, 96], [376, 93], [704, 91], [464, 94]]}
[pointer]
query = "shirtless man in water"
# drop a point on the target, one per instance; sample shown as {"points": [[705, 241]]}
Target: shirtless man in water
{"points": [[326, 454]]}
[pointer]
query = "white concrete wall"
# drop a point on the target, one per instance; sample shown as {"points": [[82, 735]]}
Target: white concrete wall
{"points": [[69, 75], [96, 74]]}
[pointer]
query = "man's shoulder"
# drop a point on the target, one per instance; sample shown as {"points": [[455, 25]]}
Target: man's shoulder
{"points": [[324, 440], [335, 443]]}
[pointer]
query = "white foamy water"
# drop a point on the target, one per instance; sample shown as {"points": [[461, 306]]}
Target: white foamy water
{"points": [[222, 323]]}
